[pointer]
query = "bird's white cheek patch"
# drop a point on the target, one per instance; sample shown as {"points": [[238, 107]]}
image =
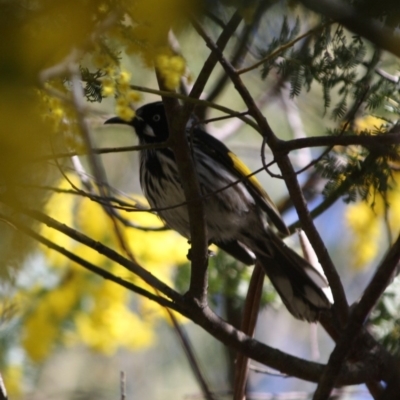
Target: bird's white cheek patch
{"points": [[148, 131]]}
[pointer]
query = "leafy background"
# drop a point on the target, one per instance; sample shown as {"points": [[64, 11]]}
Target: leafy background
{"points": [[68, 333]]}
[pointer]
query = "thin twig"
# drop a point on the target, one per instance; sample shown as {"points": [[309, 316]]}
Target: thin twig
{"points": [[195, 101], [123, 385], [283, 48], [289, 175], [89, 266], [362, 140], [102, 249], [249, 320], [351, 374], [105, 150], [187, 347], [269, 372], [392, 138], [250, 31], [212, 60]]}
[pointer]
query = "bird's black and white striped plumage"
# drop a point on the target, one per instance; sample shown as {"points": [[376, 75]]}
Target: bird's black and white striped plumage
{"points": [[236, 217]]}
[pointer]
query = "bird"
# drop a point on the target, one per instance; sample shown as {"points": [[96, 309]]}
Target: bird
{"points": [[239, 214]]}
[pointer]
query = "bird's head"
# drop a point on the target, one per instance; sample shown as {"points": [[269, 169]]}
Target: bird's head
{"points": [[150, 123]]}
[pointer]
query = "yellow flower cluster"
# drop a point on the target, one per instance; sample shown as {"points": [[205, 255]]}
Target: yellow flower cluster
{"points": [[365, 227], [367, 224], [367, 219], [13, 377], [149, 23], [369, 123], [118, 84], [98, 310], [171, 68], [60, 115], [49, 309], [108, 323]]}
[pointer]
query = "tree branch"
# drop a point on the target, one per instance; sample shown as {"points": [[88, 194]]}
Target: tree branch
{"points": [[290, 179], [249, 321], [359, 315], [352, 19], [101, 249], [89, 266], [227, 334], [283, 362], [322, 141]]}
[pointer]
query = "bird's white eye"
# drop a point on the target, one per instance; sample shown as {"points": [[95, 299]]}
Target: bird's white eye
{"points": [[156, 117]]}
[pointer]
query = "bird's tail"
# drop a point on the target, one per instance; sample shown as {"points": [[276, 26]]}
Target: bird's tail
{"points": [[297, 282]]}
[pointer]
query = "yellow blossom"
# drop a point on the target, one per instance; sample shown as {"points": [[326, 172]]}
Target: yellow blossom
{"points": [[108, 89], [122, 102], [133, 96], [124, 77], [125, 112], [99, 309], [13, 378], [369, 122], [365, 225], [40, 321], [171, 67]]}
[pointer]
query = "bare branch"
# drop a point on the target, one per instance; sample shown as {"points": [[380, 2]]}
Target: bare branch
{"points": [[282, 48], [249, 320], [359, 314], [102, 249], [212, 60], [241, 48], [294, 366], [89, 266], [351, 140], [290, 179]]}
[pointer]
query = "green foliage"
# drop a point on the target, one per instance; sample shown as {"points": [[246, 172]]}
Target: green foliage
{"points": [[385, 319], [286, 35], [229, 280], [345, 69], [93, 85], [357, 172], [328, 56]]}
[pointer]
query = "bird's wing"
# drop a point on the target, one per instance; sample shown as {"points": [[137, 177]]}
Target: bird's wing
{"points": [[238, 251], [218, 151]]}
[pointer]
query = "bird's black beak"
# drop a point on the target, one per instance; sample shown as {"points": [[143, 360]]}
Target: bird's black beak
{"points": [[116, 120]]}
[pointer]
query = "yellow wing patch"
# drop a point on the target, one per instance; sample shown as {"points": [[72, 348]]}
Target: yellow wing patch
{"points": [[244, 170]]}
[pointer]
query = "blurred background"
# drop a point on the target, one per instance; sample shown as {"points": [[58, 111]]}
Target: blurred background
{"points": [[68, 334]]}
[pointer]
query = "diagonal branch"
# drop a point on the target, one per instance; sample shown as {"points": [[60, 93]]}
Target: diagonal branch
{"points": [[274, 358], [89, 266], [130, 265], [392, 138], [290, 179], [318, 245], [212, 60], [241, 48], [359, 315], [283, 48], [249, 321], [227, 334]]}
